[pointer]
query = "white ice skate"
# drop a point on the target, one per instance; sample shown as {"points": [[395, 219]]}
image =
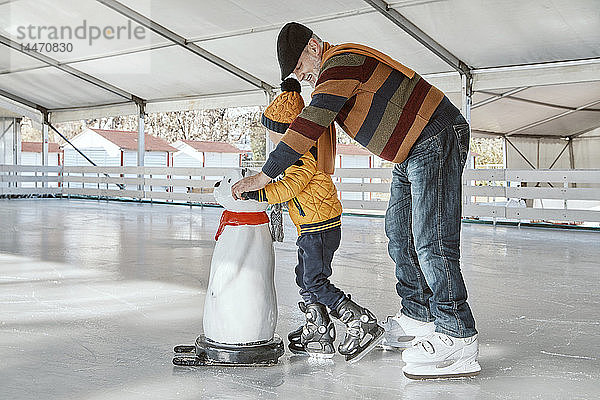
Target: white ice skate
{"points": [[442, 356], [402, 332]]}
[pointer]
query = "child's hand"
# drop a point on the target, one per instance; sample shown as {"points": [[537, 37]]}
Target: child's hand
{"points": [[249, 183]]}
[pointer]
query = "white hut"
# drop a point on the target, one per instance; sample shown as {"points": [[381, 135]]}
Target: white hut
{"points": [[203, 153], [352, 156], [31, 153], [117, 148]]}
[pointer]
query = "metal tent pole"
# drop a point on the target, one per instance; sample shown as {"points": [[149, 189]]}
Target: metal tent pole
{"points": [[269, 146], [467, 95], [141, 140], [45, 146], [572, 158], [17, 146], [17, 142]]}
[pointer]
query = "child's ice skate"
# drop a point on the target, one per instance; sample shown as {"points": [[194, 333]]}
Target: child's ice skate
{"points": [[442, 356], [318, 333], [295, 341], [362, 331], [401, 331]]}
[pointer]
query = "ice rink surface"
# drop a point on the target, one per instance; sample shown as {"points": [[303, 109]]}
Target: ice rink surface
{"points": [[95, 294]]}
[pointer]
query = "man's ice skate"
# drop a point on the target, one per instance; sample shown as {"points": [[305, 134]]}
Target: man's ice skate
{"points": [[442, 356], [318, 333], [362, 331], [401, 331]]}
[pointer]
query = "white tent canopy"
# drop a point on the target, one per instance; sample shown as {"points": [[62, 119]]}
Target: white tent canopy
{"points": [[535, 65]]}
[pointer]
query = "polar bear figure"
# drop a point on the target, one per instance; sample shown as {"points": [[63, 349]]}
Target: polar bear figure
{"points": [[241, 303]]}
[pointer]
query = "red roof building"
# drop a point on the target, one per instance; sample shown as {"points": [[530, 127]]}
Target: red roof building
{"points": [[31, 153], [351, 150], [127, 140], [204, 153], [207, 146], [117, 148], [36, 147]]}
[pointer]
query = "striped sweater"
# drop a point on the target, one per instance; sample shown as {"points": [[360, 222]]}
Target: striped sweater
{"points": [[382, 108]]}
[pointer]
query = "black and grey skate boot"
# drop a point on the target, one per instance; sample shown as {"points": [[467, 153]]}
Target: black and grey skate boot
{"points": [[318, 333], [362, 331]]}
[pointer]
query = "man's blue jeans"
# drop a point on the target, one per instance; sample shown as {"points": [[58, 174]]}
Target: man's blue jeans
{"points": [[422, 223]]}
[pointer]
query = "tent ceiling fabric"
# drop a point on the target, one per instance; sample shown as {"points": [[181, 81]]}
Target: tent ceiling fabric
{"points": [[511, 32], [495, 38]]}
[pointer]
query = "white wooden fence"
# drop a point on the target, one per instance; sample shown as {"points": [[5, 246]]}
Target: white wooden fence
{"points": [[555, 195], [539, 195]]}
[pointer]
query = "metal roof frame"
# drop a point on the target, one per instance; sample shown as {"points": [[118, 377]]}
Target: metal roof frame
{"points": [[543, 121], [183, 42], [520, 77], [70, 70], [403, 23], [496, 97], [509, 95], [23, 101], [449, 82]]}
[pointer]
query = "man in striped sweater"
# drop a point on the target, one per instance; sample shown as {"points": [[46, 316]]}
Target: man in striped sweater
{"points": [[397, 115]]}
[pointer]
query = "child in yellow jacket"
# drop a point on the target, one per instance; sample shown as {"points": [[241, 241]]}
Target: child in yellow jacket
{"points": [[315, 210]]}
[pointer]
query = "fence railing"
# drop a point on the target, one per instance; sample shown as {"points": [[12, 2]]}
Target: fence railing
{"points": [[536, 195], [548, 195]]}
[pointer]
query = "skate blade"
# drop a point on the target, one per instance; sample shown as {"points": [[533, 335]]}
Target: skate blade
{"points": [[387, 347], [299, 353], [185, 349], [445, 376], [359, 356], [395, 346], [321, 356], [297, 350]]}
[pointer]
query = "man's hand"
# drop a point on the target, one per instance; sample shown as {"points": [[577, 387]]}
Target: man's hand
{"points": [[253, 182]]}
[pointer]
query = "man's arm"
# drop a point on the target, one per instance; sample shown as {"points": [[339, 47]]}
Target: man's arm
{"points": [[294, 181], [337, 82], [248, 184]]}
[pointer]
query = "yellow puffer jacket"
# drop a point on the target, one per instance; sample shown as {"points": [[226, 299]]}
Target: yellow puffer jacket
{"points": [[312, 198]]}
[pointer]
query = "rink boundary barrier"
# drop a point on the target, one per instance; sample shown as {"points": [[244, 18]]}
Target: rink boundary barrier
{"points": [[571, 196]]}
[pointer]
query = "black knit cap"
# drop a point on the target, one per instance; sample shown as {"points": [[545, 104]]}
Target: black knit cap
{"points": [[291, 85], [291, 41]]}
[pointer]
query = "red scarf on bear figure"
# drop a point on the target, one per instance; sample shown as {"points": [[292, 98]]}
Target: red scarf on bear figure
{"points": [[241, 218]]}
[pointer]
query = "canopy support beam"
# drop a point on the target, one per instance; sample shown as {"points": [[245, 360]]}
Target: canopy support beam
{"points": [[183, 42], [519, 153], [582, 132], [68, 69], [496, 97], [141, 146], [571, 155], [559, 154], [269, 145], [17, 144], [45, 123], [23, 101], [508, 95], [140, 143], [467, 95], [543, 121], [403, 23]]}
